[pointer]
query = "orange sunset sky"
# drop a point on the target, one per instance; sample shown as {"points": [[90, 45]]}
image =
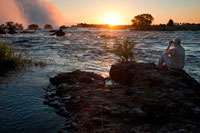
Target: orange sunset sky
{"points": [[122, 11]]}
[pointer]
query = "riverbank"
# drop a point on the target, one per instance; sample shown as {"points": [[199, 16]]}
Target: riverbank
{"points": [[141, 99]]}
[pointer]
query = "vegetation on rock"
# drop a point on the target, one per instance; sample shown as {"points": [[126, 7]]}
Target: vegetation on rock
{"points": [[124, 50]]}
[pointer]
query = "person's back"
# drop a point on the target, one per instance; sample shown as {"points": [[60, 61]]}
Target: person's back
{"points": [[178, 58], [173, 58]]}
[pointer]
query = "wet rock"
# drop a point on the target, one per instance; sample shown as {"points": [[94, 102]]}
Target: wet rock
{"points": [[135, 74], [75, 77], [115, 113], [52, 30], [72, 126], [21, 41], [2, 31], [97, 120], [142, 129], [46, 102], [27, 32], [58, 33], [54, 104], [62, 112], [138, 112], [85, 79]]}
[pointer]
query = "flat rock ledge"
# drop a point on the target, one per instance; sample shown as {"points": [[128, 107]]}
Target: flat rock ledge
{"points": [[140, 99]]}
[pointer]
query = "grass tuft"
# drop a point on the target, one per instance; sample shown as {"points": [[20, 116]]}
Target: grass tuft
{"points": [[11, 59]]}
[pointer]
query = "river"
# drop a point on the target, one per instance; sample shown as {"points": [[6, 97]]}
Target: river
{"points": [[22, 92]]}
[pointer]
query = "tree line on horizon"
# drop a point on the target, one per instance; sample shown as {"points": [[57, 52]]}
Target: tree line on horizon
{"points": [[139, 22], [144, 22], [12, 28]]}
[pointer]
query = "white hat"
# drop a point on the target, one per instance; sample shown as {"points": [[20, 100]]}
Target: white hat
{"points": [[177, 41]]}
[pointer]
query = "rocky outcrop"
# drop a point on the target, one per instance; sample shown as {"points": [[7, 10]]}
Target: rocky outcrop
{"points": [[142, 99], [132, 74], [58, 33]]}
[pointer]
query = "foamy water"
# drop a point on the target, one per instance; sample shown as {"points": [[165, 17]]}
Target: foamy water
{"points": [[21, 93]]}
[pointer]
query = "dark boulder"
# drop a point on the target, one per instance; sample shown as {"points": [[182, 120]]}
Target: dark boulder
{"points": [[134, 74], [75, 77], [168, 95], [27, 32], [58, 33], [2, 31], [53, 31]]}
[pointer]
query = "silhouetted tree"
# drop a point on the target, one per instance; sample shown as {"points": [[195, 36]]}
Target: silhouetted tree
{"points": [[83, 25], [19, 26], [170, 22], [142, 20], [63, 27], [33, 27], [11, 27], [2, 29], [48, 27]]}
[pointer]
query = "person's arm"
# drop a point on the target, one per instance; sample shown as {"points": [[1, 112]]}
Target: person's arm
{"points": [[168, 50]]}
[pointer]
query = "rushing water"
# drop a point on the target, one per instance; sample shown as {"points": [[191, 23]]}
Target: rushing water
{"points": [[21, 93]]}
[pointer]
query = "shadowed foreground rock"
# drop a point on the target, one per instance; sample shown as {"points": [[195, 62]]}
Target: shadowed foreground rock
{"points": [[146, 100]]}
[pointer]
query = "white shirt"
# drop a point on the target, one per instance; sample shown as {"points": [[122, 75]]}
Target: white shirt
{"points": [[178, 58]]}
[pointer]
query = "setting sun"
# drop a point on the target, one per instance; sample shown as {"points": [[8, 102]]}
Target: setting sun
{"points": [[112, 19]]}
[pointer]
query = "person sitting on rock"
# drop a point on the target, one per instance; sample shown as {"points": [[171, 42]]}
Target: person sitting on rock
{"points": [[173, 58]]}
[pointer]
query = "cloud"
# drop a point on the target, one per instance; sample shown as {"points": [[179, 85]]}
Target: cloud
{"points": [[30, 11], [9, 11]]}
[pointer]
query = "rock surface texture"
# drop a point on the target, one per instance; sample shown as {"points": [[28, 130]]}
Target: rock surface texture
{"points": [[141, 99]]}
